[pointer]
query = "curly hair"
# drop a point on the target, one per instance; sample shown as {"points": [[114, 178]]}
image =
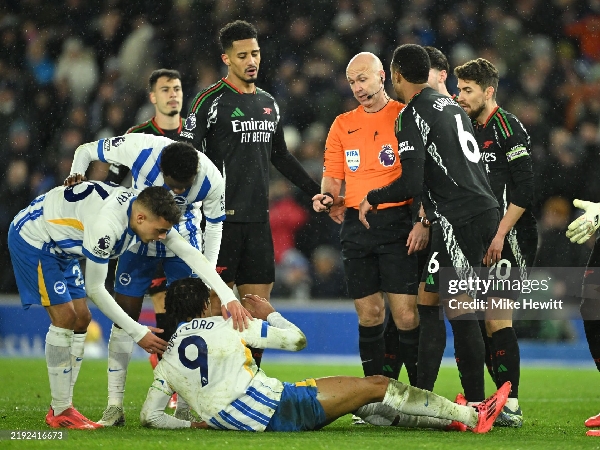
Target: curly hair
{"points": [[481, 71], [186, 299], [180, 161], [438, 59], [236, 31], [160, 203], [412, 62]]}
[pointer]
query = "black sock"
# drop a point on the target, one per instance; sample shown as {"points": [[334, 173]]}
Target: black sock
{"points": [[469, 351], [391, 362], [432, 342], [489, 351], [508, 359], [371, 347], [408, 353], [592, 334]]}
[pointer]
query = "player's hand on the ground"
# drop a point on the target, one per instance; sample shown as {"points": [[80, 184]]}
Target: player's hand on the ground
{"points": [[582, 228], [258, 306], [152, 343], [74, 178], [494, 253], [337, 212], [239, 315], [363, 208], [322, 202], [417, 238]]}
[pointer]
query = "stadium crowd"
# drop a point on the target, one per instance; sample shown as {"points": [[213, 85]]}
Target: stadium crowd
{"points": [[75, 71]]}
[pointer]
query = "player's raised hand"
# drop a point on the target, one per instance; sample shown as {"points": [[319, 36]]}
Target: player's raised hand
{"points": [[74, 178], [152, 343], [239, 315], [582, 228], [258, 306]]}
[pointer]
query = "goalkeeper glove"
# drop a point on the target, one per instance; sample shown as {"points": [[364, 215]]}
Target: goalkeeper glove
{"points": [[582, 228]]}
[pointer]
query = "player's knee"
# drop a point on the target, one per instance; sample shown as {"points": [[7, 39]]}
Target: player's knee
{"points": [[369, 315], [379, 381], [83, 320]]}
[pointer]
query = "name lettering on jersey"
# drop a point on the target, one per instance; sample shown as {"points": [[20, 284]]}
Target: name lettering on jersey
{"points": [[353, 159], [187, 135], [190, 122], [101, 246], [117, 141], [387, 157], [124, 197], [200, 324], [516, 152], [404, 147], [441, 103]]}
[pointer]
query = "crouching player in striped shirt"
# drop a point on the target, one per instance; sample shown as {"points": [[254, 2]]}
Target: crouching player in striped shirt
{"points": [[211, 366]]}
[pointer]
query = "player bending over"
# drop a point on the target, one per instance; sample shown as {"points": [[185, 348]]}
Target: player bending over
{"points": [[210, 365]]}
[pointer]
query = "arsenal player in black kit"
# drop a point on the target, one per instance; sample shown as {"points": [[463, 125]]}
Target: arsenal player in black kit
{"points": [[506, 150], [238, 126], [436, 142]]}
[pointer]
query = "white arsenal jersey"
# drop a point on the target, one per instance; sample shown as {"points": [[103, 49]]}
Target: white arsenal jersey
{"points": [[66, 221], [141, 153]]}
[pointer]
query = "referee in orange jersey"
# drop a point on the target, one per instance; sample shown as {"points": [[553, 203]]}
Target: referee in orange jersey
{"points": [[362, 153]]}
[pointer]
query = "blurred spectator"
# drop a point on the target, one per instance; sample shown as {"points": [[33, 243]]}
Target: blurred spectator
{"points": [[327, 274], [136, 57], [292, 277], [77, 66]]}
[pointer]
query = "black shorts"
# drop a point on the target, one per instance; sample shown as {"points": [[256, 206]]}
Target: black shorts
{"points": [[159, 281], [518, 255], [591, 276], [376, 259], [246, 255], [460, 248]]}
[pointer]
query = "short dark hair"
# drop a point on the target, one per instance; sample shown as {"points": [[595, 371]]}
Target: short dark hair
{"points": [[160, 203], [437, 58], [180, 161], [169, 73], [481, 71], [186, 298], [236, 31], [412, 62]]}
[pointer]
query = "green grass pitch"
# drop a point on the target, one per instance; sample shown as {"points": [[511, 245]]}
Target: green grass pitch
{"points": [[555, 402]]}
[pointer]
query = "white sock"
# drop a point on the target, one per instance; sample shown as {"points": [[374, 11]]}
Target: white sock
{"points": [[418, 402], [58, 361], [384, 415], [512, 403], [76, 359], [120, 348]]}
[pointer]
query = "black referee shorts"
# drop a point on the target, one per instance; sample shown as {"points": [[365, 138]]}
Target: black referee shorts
{"points": [[376, 259], [461, 248], [246, 255]]}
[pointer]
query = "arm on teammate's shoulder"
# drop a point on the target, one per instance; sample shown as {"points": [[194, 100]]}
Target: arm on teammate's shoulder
{"points": [[274, 331], [153, 413]]}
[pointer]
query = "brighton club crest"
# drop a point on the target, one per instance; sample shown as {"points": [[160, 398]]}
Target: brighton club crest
{"points": [[387, 157]]}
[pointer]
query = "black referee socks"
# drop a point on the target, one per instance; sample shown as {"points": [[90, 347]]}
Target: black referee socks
{"points": [[371, 347], [432, 342], [408, 352]]}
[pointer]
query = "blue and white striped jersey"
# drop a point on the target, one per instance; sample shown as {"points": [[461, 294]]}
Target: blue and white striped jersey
{"points": [[209, 364], [141, 153], [64, 221]]}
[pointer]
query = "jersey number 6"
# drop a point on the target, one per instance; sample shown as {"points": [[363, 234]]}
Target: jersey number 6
{"points": [[465, 139], [200, 362]]}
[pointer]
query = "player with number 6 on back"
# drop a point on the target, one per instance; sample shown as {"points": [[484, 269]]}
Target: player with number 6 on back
{"points": [[439, 154]]}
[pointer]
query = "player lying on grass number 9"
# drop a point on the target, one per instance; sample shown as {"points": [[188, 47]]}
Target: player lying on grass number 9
{"points": [[209, 364], [95, 221]]}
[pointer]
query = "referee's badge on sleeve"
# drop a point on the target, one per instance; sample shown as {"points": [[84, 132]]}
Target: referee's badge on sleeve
{"points": [[353, 159]]}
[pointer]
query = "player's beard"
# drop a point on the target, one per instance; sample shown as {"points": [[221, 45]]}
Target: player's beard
{"points": [[475, 113], [173, 113]]}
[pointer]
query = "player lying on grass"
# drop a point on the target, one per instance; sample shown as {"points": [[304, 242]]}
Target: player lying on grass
{"points": [[96, 222], [210, 365]]}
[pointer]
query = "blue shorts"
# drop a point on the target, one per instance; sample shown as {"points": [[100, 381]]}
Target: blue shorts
{"points": [[135, 272], [44, 278], [299, 409]]}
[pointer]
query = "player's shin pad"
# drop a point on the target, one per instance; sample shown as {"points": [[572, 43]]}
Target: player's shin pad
{"points": [[414, 401]]}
